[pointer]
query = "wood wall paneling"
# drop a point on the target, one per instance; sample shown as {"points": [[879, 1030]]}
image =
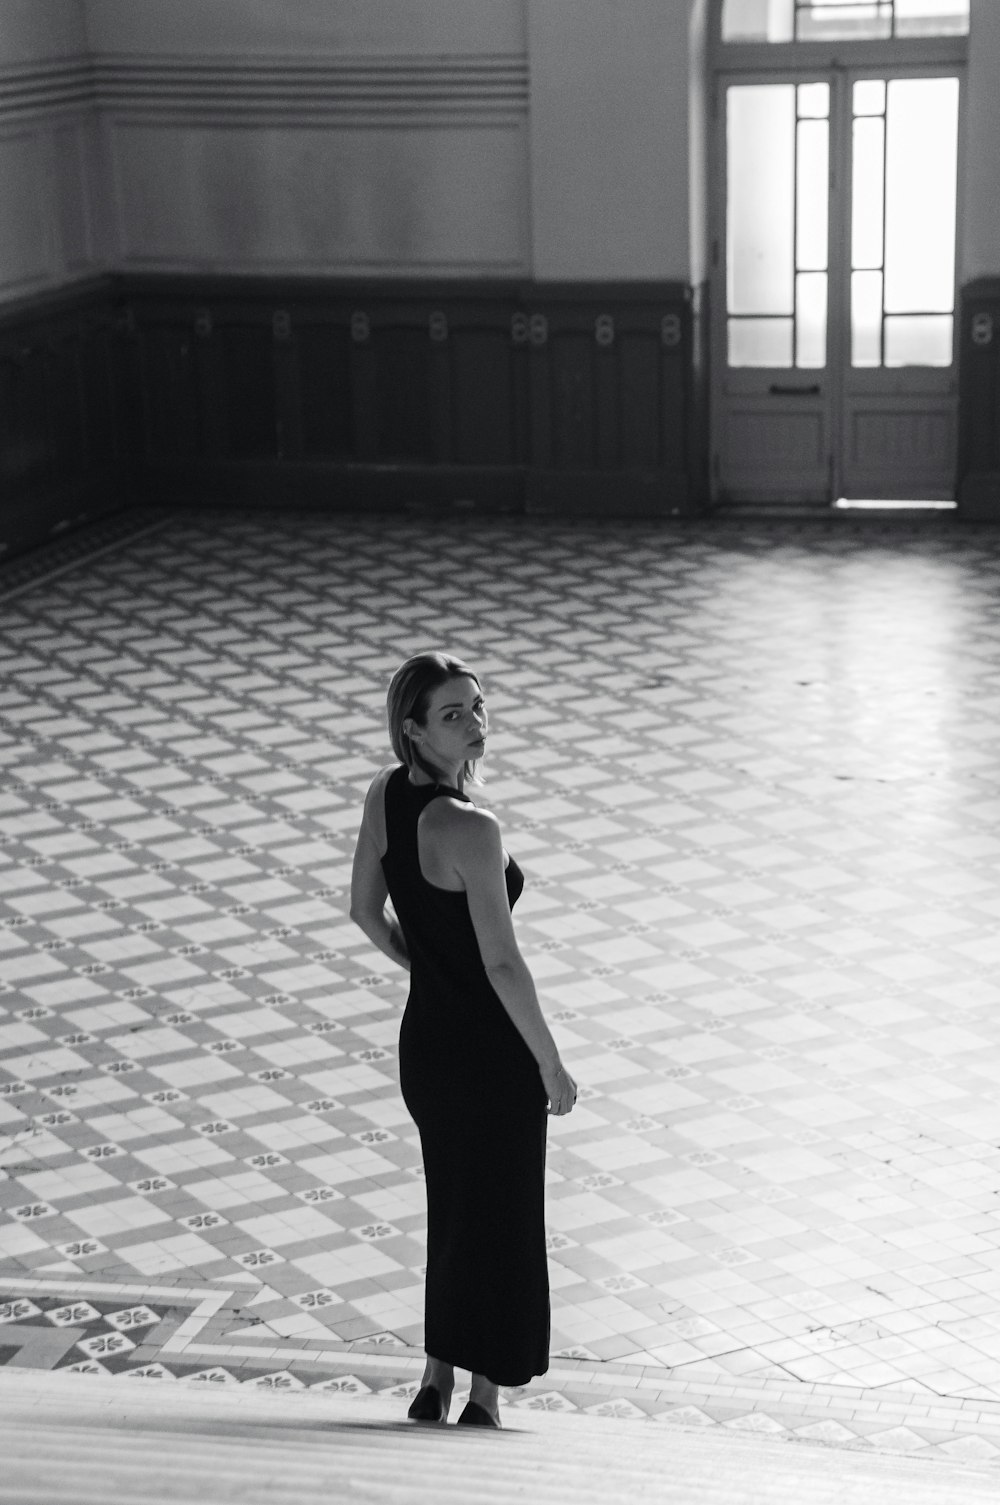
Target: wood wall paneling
{"points": [[25, 458], [446, 392], [172, 399], [639, 399], [97, 358], [388, 395], [66, 428], [242, 387], [373, 395], [487, 423], [61, 456], [322, 353], [574, 401], [404, 400], [979, 401]]}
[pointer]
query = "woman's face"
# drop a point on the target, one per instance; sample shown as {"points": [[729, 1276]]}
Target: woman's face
{"points": [[455, 729]]}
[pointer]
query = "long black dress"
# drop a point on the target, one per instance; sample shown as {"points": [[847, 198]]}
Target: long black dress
{"points": [[474, 1091]]}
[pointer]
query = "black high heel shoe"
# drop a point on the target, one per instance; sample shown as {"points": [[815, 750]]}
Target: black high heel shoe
{"points": [[476, 1415], [428, 1405]]}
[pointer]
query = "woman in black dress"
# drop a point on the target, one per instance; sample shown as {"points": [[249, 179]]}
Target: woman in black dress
{"points": [[478, 1067]]}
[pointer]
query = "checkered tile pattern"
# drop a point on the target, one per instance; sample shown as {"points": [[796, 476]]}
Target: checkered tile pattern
{"points": [[94, 1339], [751, 773]]}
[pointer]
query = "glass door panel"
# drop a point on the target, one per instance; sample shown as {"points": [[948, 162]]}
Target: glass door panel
{"points": [[898, 405], [903, 203], [777, 224], [834, 298]]}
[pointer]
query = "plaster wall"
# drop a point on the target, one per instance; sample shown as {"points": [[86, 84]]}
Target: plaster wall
{"points": [[610, 137], [979, 240], [554, 139], [324, 138], [34, 30], [231, 29], [48, 148]]}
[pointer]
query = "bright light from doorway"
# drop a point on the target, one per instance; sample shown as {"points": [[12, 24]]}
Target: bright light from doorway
{"points": [[880, 504]]}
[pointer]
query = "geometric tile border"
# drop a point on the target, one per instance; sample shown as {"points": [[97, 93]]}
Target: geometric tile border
{"points": [[80, 546], [182, 1332]]}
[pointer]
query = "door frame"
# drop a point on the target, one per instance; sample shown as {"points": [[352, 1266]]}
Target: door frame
{"points": [[799, 62]]}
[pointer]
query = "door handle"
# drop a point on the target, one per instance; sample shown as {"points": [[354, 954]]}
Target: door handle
{"points": [[779, 391]]}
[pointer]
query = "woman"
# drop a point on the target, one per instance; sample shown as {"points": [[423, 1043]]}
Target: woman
{"points": [[478, 1066]]}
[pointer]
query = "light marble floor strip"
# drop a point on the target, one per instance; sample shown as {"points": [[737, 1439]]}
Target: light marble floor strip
{"points": [[67, 1439]]}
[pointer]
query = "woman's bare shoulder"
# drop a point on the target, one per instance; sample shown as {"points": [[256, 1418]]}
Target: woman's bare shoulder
{"points": [[471, 826], [374, 816], [377, 785]]}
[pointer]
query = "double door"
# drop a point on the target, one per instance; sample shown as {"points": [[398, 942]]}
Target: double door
{"points": [[833, 291]]}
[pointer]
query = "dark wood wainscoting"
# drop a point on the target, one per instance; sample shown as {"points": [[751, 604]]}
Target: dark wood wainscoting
{"points": [[64, 405], [979, 402], [541, 398], [374, 395]]}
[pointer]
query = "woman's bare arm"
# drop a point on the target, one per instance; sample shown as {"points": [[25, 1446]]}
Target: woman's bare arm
{"points": [[478, 856], [369, 890]]}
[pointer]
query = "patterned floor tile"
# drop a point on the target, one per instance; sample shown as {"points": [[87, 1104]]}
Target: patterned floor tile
{"points": [[751, 774]]}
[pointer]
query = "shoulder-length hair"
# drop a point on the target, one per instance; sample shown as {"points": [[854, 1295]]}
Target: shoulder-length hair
{"points": [[410, 691]]}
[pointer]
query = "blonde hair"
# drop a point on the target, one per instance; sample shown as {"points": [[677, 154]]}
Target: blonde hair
{"points": [[412, 686]]}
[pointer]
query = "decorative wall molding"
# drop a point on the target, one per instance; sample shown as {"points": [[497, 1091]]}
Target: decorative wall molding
{"points": [[375, 164], [352, 89], [370, 90], [47, 87]]}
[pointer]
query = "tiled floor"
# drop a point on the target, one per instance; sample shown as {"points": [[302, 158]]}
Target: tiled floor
{"points": [[752, 774]]}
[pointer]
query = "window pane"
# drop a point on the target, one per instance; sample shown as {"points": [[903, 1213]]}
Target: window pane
{"points": [[868, 190], [921, 181], [919, 340], [810, 321], [812, 198], [814, 101], [869, 96], [932, 18], [833, 20], [829, 20], [866, 319], [760, 342], [758, 20], [761, 198]]}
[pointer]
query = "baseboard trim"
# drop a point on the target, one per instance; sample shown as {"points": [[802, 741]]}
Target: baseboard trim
{"points": [[627, 493], [979, 496], [43, 515], [330, 487], [327, 486]]}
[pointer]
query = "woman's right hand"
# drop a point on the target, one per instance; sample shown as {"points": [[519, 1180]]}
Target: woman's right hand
{"points": [[560, 1089]]}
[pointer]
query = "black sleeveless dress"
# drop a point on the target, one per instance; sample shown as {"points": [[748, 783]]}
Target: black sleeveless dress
{"points": [[474, 1091]]}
